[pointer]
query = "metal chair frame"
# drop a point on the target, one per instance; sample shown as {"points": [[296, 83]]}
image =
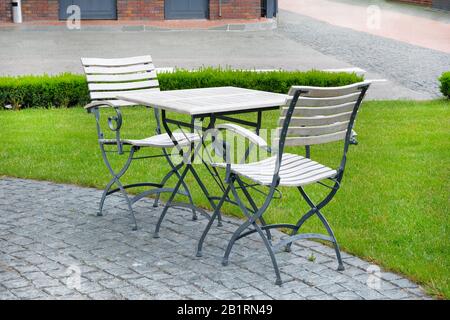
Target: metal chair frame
{"points": [[115, 124], [255, 215], [143, 66]]}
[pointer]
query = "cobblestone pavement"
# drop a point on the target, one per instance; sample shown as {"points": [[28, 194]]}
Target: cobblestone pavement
{"points": [[414, 67], [53, 246]]}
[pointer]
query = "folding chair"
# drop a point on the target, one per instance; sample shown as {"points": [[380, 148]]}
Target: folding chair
{"points": [[108, 78], [312, 116]]}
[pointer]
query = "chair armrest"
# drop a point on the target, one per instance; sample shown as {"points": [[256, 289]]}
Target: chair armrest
{"points": [[114, 122], [253, 137], [95, 104]]}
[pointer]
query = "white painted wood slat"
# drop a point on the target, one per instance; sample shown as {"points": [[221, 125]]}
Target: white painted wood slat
{"points": [[317, 121], [293, 163], [317, 130], [319, 111], [311, 140], [164, 140], [113, 94], [326, 102], [301, 170], [119, 70], [121, 77], [207, 100], [123, 86], [324, 92], [116, 62]]}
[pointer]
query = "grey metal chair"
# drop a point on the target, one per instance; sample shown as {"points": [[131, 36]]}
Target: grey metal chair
{"points": [[108, 78], [312, 116]]}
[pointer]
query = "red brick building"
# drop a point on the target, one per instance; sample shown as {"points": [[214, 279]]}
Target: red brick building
{"points": [[141, 9], [422, 2], [437, 4]]}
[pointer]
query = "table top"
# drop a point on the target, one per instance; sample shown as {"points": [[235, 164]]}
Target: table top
{"points": [[207, 100]]}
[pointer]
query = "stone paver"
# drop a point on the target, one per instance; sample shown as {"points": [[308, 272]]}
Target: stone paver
{"points": [[52, 246]]}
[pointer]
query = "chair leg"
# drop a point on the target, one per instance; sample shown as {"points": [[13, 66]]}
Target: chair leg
{"points": [[130, 207], [233, 239], [268, 245], [163, 183], [211, 221], [206, 193], [299, 224], [105, 193], [116, 180], [251, 221], [166, 207], [173, 170], [254, 207], [185, 187], [335, 243], [315, 209], [191, 201]]}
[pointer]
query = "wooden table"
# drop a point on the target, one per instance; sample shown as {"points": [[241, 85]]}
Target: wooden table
{"points": [[209, 101], [201, 104]]}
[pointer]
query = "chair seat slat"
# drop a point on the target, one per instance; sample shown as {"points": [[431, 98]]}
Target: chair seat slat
{"points": [[295, 170], [164, 140], [267, 165]]}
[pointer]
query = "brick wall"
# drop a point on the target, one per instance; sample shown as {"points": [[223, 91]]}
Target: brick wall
{"points": [[140, 9], [135, 9], [421, 2], [39, 10], [5, 11], [235, 9], [154, 9]]}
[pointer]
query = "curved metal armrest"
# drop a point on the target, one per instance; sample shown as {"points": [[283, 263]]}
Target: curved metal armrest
{"points": [[114, 122], [253, 137], [96, 104]]}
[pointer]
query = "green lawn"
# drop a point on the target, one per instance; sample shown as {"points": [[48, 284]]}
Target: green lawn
{"points": [[393, 207]]}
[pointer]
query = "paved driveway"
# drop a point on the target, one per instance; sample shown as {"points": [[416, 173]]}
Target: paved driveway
{"points": [[300, 42], [52, 246], [416, 68]]}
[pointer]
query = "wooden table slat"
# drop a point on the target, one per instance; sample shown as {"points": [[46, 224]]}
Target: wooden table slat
{"points": [[207, 100]]}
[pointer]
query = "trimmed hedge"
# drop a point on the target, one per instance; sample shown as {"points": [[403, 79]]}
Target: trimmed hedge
{"points": [[273, 81], [63, 90], [445, 84], [67, 90]]}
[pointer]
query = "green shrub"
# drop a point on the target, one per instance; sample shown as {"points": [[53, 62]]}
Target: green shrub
{"points": [[67, 90], [63, 90], [274, 81], [445, 84]]}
